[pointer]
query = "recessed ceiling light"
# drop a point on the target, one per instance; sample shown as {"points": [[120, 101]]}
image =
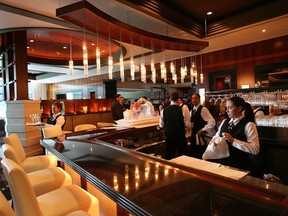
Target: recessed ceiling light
{"points": [[209, 13], [92, 44], [64, 47], [31, 41], [28, 47], [263, 30]]}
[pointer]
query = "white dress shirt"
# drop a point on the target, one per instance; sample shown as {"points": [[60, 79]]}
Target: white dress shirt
{"points": [[252, 145], [206, 115], [60, 120], [186, 117]]}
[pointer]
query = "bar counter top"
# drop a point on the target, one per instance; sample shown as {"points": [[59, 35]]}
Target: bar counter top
{"points": [[146, 185]]}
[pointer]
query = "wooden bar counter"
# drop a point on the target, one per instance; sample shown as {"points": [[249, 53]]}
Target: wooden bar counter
{"points": [[142, 184]]}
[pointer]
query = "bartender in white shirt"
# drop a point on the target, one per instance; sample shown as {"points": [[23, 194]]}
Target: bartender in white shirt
{"points": [[241, 134], [202, 122]]}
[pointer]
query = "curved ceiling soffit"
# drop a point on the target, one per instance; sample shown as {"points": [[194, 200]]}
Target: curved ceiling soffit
{"points": [[89, 17], [52, 46]]}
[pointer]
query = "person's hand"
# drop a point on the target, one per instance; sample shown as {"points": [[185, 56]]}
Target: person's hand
{"points": [[200, 132], [228, 137]]}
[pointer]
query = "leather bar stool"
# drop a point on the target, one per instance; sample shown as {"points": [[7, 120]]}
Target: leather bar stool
{"points": [[43, 180], [29, 164], [64, 201]]}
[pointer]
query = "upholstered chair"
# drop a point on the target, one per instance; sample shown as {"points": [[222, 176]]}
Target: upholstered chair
{"points": [[82, 127], [43, 180], [54, 131], [29, 164], [63, 201], [5, 208]]}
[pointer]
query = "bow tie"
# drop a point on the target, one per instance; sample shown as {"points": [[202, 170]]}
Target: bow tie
{"points": [[231, 126]]}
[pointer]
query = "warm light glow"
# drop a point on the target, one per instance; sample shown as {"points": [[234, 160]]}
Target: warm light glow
{"points": [[172, 67], [209, 13], [201, 78], [183, 73], [85, 59], [132, 68], [110, 67], [98, 61], [143, 72], [153, 70], [163, 71], [122, 74], [193, 74], [70, 67]]}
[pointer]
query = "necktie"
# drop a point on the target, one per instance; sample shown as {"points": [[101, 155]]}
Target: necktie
{"points": [[231, 126]]}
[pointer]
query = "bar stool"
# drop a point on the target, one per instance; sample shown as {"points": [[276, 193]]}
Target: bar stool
{"points": [[5, 208], [43, 180], [82, 127], [30, 164], [63, 201]]}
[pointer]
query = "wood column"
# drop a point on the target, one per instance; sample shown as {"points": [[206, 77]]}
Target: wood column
{"points": [[15, 73]]}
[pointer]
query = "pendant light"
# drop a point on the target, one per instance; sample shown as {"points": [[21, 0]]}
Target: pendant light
{"points": [[71, 70]]}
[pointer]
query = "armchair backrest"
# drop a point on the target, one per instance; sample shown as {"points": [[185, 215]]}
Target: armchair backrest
{"points": [[23, 195], [82, 127], [10, 153], [16, 143], [51, 132], [5, 208]]}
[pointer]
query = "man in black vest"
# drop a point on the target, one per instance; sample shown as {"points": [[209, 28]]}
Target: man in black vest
{"points": [[117, 108], [57, 118], [172, 120], [202, 122]]}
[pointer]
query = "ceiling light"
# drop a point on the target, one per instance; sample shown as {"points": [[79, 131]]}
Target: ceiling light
{"points": [[31, 41], [263, 30], [209, 13], [64, 47]]}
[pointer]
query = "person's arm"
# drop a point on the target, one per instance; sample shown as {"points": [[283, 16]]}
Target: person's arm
{"points": [[186, 115], [60, 121], [252, 145], [206, 115], [161, 120]]}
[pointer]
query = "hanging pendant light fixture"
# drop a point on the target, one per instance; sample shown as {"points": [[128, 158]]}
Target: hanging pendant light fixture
{"points": [[110, 58], [85, 52], [142, 65], [201, 74], [193, 71], [85, 58], [132, 63], [98, 54], [121, 61], [71, 69], [153, 69]]}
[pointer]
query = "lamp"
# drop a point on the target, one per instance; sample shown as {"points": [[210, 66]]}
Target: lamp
{"points": [[163, 71], [98, 54], [193, 71], [85, 58], [153, 71], [201, 74], [143, 72], [71, 61], [121, 62], [110, 58]]}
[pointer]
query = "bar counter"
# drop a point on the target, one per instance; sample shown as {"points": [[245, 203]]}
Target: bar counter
{"points": [[146, 185]]}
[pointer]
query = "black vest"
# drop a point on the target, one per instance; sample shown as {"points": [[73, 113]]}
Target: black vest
{"points": [[237, 158], [174, 120], [197, 120], [53, 122]]}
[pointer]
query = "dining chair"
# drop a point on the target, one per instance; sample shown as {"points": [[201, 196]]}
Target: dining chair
{"points": [[82, 127], [63, 201], [29, 164], [43, 180]]}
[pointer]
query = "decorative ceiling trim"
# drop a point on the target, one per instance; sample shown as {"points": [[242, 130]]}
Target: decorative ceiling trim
{"points": [[91, 18], [165, 12]]}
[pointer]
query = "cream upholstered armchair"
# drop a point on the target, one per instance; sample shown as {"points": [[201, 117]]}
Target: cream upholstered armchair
{"points": [[69, 200], [43, 180], [54, 131], [29, 164], [82, 127], [5, 208]]}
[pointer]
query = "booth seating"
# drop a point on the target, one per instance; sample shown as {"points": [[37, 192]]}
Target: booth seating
{"points": [[68, 200], [29, 164], [82, 127], [43, 180]]}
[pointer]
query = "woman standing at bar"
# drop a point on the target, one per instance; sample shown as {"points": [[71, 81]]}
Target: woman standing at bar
{"points": [[241, 134]]}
